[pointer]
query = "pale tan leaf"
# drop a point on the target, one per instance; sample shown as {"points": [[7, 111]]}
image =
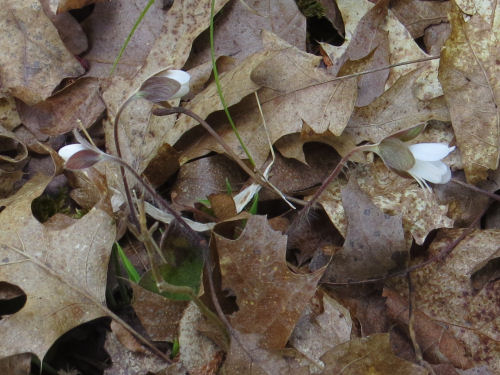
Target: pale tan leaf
{"points": [[16, 365], [296, 91], [393, 194], [69, 29], [469, 73], [418, 15], [196, 350], [324, 324], [368, 355], [397, 109], [62, 271], [247, 357], [9, 118], [142, 137], [125, 361], [33, 60]]}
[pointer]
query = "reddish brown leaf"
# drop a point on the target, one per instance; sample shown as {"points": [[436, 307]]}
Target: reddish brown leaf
{"points": [[434, 340], [254, 268]]}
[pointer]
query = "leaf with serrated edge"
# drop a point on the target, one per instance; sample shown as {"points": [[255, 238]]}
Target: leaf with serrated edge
{"points": [[62, 271], [254, 267], [444, 291]]}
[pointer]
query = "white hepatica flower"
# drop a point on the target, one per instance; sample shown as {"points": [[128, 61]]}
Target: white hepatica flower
{"points": [[422, 161], [68, 151], [182, 78], [167, 85], [428, 165]]}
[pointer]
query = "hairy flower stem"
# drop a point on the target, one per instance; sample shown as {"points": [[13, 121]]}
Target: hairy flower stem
{"points": [[303, 212], [255, 175], [201, 241], [133, 213]]}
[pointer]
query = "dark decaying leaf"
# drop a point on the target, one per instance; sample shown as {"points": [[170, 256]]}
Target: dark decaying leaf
{"points": [[158, 315], [62, 112], [374, 243]]}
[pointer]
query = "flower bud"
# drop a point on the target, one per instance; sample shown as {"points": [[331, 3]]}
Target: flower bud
{"points": [[161, 87], [396, 154], [77, 156]]}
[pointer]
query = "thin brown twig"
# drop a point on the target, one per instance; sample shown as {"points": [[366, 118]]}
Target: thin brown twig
{"points": [[438, 257], [255, 175], [476, 189], [304, 211]]}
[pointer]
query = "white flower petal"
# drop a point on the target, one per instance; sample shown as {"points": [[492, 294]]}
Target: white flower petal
{"points": [[245, 196], [430, 151], [182, 77], [68, 151], [436, 172]]}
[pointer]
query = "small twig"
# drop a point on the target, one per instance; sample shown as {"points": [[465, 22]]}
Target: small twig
{"points": [[476, 189], [303, 212], [438, 257], [411, 320]]}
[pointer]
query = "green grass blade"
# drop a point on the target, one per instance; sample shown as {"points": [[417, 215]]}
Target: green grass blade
{"points": [[255, 202], [125, 44], [129, 267], [219, 88]]}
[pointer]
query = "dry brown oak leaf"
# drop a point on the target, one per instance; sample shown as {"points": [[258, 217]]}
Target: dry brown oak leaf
{"points": [[34, 60], [62, 270], [269, 295], [469, 73]]}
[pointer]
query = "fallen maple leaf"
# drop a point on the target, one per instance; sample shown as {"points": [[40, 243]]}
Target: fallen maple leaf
{"points": [[62, 271], [254, 268]]}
